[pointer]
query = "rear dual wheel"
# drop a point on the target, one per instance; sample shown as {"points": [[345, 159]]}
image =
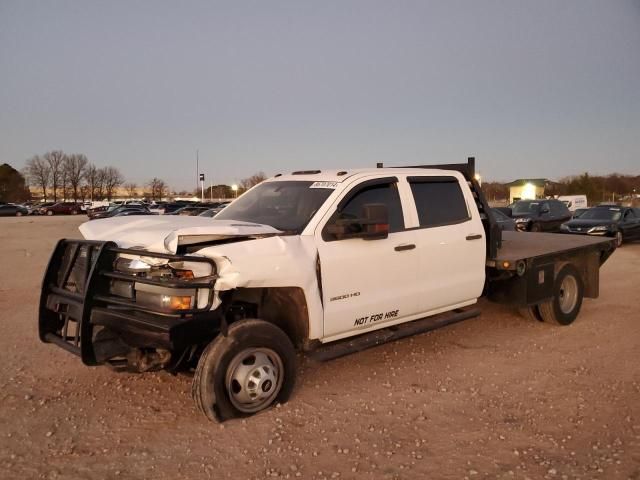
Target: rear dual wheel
{"points": [[564, 306], [245, 372]]}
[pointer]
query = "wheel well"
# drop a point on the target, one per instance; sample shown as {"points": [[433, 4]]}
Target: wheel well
{"points": [[285, 307]]}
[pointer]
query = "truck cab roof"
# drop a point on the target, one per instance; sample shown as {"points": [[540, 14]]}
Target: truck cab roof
{"points": [[342, 175]]}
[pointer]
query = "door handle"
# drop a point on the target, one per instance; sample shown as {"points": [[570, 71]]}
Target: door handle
{"points": [[403, 247], [475, 236]]}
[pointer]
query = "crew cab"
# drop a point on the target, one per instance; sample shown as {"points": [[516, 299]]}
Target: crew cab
{"points": [[323, 262]]}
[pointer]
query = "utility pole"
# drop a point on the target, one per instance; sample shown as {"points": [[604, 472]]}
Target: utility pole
{"points": [[197, 167]]}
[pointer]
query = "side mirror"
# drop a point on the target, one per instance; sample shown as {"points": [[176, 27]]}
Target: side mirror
{"points": [[373, 225]]}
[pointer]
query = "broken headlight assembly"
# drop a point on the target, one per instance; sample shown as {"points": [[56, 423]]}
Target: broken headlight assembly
{"points": [[166, 284]]}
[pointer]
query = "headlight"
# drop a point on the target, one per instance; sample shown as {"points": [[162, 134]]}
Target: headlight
{"points": [[600, 228]]}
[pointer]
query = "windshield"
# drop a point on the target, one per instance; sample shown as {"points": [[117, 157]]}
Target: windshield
{"points": [[520, 208], [601, 214], [286, 205]]}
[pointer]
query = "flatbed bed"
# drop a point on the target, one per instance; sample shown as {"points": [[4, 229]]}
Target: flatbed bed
{"points": [[518, 246]]}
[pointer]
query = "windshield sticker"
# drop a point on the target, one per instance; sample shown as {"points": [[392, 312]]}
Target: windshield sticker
{"points": [[324, 185]]}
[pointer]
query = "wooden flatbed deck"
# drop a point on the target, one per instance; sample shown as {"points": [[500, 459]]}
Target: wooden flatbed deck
{"points": [[524, 245]]}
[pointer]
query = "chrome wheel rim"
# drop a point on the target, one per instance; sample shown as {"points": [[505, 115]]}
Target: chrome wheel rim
{"points": [[254, 379], [568, 294]]}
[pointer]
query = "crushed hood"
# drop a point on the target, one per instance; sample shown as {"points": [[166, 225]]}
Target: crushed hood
{"points": [[164, 233]]}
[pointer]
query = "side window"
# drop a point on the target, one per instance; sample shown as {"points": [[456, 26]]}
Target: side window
{"points": [[439, 201], [630, 215], [386, 194], [558, 209]]}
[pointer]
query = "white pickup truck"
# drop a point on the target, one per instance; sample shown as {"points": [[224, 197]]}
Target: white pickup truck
{"points": [[324, 262]]}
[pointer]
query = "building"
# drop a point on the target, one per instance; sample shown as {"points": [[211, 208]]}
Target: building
{"points": [[527, 189]]}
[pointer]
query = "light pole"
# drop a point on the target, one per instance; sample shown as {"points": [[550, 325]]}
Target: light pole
{"points": [[234, 187]]}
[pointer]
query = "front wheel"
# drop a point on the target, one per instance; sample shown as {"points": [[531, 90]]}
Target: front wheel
{"points": [[568, 291], [18, 214], [535, 227], [49, 212], [244, 372], [619, 239]]}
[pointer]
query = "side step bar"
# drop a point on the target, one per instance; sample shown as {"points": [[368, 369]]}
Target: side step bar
{"points": [[348, 346]]}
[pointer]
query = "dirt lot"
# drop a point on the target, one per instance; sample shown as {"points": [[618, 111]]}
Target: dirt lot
{"points": [[493, 397]]}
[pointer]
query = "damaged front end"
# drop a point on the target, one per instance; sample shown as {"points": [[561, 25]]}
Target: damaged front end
{"points": [[128, 308]]}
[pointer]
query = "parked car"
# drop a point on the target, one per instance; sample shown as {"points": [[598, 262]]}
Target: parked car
{"points": [[578, 212], [169, 208], [622, 223], [116, 210], [191, 211], [61, 208], [504, 221], [157, 207], [11, 210], [212, 212], [39, 206], [539, 215], [127, 212], [92, 212]]}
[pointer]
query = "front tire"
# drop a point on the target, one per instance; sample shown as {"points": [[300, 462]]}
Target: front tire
{"points": [[535, 227], [619, 239], [18, 214], [245, 372], [49, 212], [568, 292]]}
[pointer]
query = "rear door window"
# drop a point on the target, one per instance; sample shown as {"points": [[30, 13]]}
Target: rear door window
{"points": [[439, 201]]}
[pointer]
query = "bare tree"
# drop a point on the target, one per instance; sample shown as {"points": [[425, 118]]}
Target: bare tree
{"points": [[55, 161], [131, 189], [38, 173], [91, 180], [253, 180], [101, 181], [74, 169], [158, 188], [112, 180]]}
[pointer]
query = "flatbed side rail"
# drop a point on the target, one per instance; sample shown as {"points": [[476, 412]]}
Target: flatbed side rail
{"points": [[78, 279]]}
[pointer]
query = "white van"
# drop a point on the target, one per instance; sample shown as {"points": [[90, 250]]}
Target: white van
{"points": [[574, 202]]}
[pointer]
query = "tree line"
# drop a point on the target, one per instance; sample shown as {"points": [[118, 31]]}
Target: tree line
{"points": [[597, 188], [66, 176]]}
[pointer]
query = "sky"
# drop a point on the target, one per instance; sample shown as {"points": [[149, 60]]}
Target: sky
{"points": [[530, 88]]}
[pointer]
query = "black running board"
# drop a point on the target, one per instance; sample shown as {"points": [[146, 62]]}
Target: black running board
{"points": [[341, 348]]}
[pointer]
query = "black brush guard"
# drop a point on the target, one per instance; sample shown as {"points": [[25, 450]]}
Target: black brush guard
{"points": [[76, 297]]}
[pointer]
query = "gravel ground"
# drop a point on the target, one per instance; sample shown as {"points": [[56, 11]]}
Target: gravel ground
{"points": [[493, 397]]}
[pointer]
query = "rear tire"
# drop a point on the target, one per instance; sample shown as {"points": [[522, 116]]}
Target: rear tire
{"points": [[18, 214], [619, 239], [531, 313], [568, 291], [247, 371]]}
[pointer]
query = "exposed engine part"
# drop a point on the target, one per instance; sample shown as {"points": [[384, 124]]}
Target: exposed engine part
{"points": [[139, 360]]}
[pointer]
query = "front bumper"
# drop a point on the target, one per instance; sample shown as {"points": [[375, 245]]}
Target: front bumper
{"points": [[77, 301]]}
